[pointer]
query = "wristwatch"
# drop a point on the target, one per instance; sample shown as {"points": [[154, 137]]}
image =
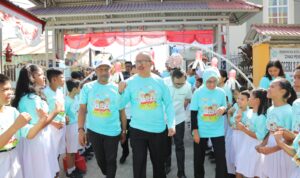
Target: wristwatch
{"points": [[81, 128]]}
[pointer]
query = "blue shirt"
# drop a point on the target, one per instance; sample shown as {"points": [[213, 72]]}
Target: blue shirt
{"points": [[245, 116], [279, 117], [265, 82], [257, 124], [30, 103], [165, 74], [206, 102], [296, 116], [53, 97], [103, 105], [192, 80], [149, 99], [71, 108]]}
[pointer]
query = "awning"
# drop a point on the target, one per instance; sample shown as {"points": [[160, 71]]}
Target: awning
{"points": [[27, 26], [134, 38], [273, 33]]}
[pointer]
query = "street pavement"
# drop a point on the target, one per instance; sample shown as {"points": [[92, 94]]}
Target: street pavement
{"points": [[125, 170]]}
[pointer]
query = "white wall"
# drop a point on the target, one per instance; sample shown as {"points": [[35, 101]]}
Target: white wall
{"points": [[236, 37]]}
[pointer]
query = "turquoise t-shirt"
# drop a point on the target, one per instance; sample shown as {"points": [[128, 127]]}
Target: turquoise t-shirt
{"points": [[192, 80], [257, 124], [7, 119], [206, 102], [265, 82], [245, 116], [53, 97], [165, 74], [149, 99], [71, 108], [30, 103], [281, 116], [296, 116], [103, 106]]}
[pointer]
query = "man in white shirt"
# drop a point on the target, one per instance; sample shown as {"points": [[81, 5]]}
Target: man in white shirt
{"points": [[181, 93]]}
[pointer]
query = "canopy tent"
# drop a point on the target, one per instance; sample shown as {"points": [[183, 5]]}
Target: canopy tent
{"points": [[104, 39], [26, 26]]}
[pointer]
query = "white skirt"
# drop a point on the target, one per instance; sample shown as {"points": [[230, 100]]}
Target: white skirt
{"points": [[278, 164], [72, 138], [296, 173], [229, 152], [238, 138], [249, 161], [36, 156], [10, 166]]}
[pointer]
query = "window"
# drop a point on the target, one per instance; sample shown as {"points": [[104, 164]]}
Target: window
{"points": [[278, 11]]}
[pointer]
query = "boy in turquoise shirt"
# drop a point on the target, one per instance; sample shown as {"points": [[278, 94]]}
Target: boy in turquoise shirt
{"points": [[54, 93], [71, 109]]}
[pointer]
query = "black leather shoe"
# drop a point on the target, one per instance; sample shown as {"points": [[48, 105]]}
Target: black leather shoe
{"points": [[123, 158], [74, 174], [167, 169], [182, 176]]}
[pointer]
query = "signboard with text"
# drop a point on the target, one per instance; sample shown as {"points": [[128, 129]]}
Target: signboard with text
{"points": [[289, 58]]}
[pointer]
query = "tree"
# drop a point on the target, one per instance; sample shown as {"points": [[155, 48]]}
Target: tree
{"points": [[246, 59], [245, 64]]}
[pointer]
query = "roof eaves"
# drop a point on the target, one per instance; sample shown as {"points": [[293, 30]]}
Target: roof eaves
{"points": [[48, 15]]}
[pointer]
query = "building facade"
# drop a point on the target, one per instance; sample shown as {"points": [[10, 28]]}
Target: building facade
{"points": [[274, 12]]}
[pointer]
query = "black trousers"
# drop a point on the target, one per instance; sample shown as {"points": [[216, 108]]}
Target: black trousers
{"points": [[179, 149], [140, 142], [219, 151], [106, 149], [125, 144]]}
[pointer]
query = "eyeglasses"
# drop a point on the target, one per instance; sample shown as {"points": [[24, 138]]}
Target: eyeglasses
{"points": [[142, 61], [211, 81]]}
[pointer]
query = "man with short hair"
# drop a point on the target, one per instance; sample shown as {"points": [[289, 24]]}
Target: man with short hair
{"points": [[128, 68], [181, 92], [99, 104], [125, 147], [149, 98]]}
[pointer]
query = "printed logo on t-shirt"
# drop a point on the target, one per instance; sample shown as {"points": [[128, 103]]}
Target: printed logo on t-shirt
{"points": [[101, 108], [210, 113], [272, 123], [147, 100], [11, 143], [296, 126]]}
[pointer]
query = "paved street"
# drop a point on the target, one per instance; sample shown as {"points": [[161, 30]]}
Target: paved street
{"points": [[125, 170]]}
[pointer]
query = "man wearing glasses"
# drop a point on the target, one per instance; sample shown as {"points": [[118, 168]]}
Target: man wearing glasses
{"points": [[181, 93], [150, 99]]}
